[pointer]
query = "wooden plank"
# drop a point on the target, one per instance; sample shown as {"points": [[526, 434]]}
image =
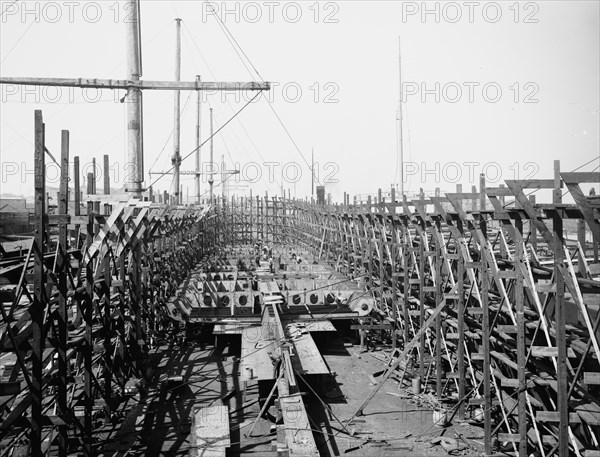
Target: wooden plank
{"points": [[546, 288], [544, 351], [371, 327], [507, 274], [256, 350], [591, 378], [268, 287], [307, 359], [298, 434], [474, 310], [127, 84], [210, 431], [552, 416], [538, 183], [507, 328], [509, 437], [589, 413], [320, 326], [580, 177]]}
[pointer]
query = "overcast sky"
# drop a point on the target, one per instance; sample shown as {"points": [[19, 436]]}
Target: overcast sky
{"points": [[501, 88]]}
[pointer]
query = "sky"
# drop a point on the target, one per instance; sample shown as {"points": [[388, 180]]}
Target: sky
{"points": [[500, 88]]}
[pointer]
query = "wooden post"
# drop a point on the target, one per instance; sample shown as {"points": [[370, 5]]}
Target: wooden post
{"points": [[38, 307], [473, 201], [369, 254], [76, 185], [406, 285], [394, 277], [422, 304], [460, 351], [106, 175], [533, 228], [90, 187], [107, 206], [485, 336], [62, 264], [521, 347], [439, 297], [482, 192], [108, 332], [581, 240], [557, 194], [94, 175], [382, 270], [87, 317], [560, 319]]}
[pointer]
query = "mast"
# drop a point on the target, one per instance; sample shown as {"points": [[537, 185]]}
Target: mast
{"points": [[223, 195], [211, 178], [312, 174], [176, 158], [197, 177], [400, 135], [135, 153]]}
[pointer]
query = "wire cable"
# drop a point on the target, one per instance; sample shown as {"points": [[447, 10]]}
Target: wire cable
{"points": [[187, 31], [291, 138], [208, 139], [237, 46], [16, 42], [170, 134]]}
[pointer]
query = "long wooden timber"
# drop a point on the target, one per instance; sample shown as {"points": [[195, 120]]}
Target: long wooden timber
{"points": [[128, 84]]}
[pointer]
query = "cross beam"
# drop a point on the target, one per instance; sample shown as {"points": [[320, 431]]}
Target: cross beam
{"points": [[127, 84], [195, 173]]}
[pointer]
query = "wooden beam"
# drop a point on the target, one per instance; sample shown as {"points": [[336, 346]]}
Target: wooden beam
{"points": [[127, 84], [62, 266], [407, 349], [37, 309]]}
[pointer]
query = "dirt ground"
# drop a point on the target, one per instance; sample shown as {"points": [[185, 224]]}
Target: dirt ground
{"points": [[393, 424]]}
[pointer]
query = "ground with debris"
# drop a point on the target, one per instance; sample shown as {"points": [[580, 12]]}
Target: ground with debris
{"points": [[395, 423]]}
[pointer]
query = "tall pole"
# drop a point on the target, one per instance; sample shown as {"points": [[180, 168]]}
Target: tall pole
{"points": [[135, 160], [223, 176], [400, 135], [312, 174], [176, 158], [211, 177], [197, 177]]}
